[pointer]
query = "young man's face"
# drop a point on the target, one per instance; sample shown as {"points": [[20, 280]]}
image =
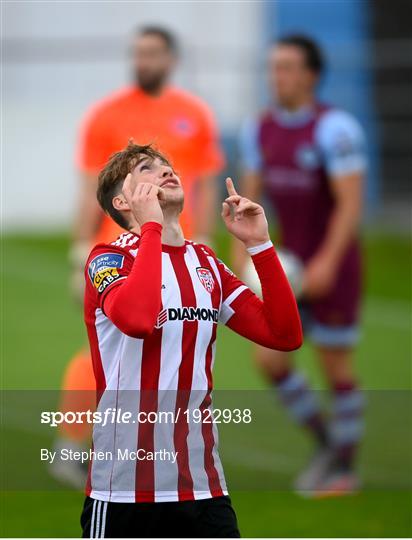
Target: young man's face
{"points": [[153, 62], [155, 171], [289, 77]]}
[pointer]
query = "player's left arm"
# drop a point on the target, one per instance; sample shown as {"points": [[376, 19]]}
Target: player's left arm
{"points": [[211, 162], [342, 143], [273, 322]]}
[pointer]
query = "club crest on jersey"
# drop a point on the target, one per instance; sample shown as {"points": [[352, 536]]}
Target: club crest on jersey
{"points": [[307, 157], [206, 278], [184, 127]]}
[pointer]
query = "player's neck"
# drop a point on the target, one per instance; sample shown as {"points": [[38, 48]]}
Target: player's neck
{"points": [[302, 102], [155, 91], [172, 234]]}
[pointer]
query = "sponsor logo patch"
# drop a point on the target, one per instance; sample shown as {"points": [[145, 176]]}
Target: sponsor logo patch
{"points": [[187, 314], [206, 278], [104, 270]]}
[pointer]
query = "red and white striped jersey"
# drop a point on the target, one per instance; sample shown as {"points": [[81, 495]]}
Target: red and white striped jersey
{"points": [[168, 370]]}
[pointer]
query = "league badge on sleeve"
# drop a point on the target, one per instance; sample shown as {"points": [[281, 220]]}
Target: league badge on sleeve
{"points": [[206, 278], [104, 270]]}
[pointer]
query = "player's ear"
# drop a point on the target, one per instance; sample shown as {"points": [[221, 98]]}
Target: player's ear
{"points": [[119, 202]]}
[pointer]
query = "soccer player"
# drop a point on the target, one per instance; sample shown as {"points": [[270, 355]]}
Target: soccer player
{"points": [[308, 159], [152, 304], [150, 110]]}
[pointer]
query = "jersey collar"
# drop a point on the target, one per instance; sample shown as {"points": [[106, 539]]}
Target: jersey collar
{"points": [[174, 249], [169, 249], [297, 118]]}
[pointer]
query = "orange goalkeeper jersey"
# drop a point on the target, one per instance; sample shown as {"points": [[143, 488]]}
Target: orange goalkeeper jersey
{"points": [[179, 124]]}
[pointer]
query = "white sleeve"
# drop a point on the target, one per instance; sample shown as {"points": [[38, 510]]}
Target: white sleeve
{"points": [[341, 141]]}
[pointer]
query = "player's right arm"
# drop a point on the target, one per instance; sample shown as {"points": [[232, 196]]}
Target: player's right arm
{"points": [[250, 182], [341, 142], [131, 299], [88, 213], [210, 161], [126, 292], [87, 220]]}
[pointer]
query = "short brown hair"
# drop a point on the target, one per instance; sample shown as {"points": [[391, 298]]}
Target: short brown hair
{"points": [[115, 171]]}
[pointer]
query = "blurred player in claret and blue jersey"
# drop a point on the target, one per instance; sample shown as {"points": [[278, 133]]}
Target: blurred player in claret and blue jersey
{"points": [[308, 159], [150, 110]]}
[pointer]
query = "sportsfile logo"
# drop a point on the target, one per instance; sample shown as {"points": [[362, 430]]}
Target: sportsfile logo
{"points": [[187, 314]]}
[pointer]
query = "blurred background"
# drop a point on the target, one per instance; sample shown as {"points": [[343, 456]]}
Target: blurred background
{"points": [[58, 58]]}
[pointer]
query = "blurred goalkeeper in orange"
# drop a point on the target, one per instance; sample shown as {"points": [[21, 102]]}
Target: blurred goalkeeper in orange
{"points": [[150, 110]]}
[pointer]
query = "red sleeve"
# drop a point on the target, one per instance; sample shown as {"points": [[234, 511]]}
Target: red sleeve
{"points": [[273, 322], [129, 294]]}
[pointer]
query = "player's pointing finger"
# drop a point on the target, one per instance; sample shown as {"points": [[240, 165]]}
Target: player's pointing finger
{"points": [[230, 187]]}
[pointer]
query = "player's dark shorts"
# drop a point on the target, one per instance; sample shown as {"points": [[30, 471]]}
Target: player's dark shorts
{"points": [[213, 518], [333, 321]]}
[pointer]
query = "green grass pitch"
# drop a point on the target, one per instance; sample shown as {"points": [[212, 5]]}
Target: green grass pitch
{"points": [[42, 329]]}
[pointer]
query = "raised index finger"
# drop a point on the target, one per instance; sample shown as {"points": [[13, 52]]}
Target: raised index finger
{"points": [[230, 187]]}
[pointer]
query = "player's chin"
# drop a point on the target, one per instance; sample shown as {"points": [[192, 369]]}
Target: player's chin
{"points": [[173, 194]]}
